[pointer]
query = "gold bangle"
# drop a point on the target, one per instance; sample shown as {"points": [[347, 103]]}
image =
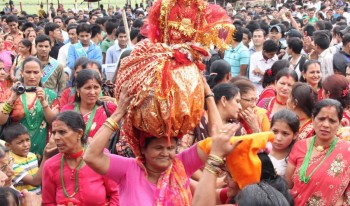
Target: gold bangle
{"points": [[218, 170], [5, 112], [7, 105], [113, 123], [209, 169], [6, 108], [109, 126], [216, 158], [115, 128]]}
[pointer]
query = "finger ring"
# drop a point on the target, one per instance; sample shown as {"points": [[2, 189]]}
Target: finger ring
{"points": [[222, 131]]}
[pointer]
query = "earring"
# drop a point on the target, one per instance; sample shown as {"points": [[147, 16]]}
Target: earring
{"points": [[78, 94]]}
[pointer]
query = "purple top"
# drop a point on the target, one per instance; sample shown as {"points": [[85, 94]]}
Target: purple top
{"points": [[134, 188]]}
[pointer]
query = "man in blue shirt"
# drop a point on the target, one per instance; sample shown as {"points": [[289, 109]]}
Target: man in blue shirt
{"points": [[85, 47], [238, 54]]}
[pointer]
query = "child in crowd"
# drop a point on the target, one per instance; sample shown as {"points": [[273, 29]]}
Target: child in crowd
{"points": [[27, 175], [285, 125]]}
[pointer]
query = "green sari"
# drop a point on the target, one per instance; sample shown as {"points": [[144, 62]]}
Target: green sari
{"points": [[34, 121]]}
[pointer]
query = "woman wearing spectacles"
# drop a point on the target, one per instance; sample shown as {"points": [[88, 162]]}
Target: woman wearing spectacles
{"points": [[5, 167], [252, 118], [7, 193]]}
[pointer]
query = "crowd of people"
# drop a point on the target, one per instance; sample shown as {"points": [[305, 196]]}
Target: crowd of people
{"points": [[206, 105]]}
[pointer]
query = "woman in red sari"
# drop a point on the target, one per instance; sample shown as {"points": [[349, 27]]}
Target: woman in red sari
{"points": [[269, 79], [302, 100], [318, 167], [68, 93], [4, 84], [336, 87], [94, 112], [283, 85]]}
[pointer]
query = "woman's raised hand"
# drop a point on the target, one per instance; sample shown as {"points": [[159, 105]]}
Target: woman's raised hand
{"points": [[251, 118], [221, 145], [14, 96], [40, 94], [123, 102], [50, 148], [207, 89]]}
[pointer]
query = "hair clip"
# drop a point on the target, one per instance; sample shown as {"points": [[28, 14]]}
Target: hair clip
{"points": [[269, 72], [213, 74]]}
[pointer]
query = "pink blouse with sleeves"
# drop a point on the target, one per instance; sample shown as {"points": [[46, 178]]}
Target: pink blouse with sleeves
{"points": [[94, 189], [135, 189]]}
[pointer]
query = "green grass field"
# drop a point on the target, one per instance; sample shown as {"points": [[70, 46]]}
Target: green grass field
{"points": [[32, 6]]}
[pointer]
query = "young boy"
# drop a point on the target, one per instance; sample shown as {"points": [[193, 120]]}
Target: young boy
{"points": [[27, 175]]}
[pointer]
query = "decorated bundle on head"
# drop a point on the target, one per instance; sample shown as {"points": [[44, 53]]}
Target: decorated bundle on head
{"points": [[164, 72]]}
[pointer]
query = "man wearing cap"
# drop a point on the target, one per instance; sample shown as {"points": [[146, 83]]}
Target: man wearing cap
{"points": [[275, 34], [238, 54]]}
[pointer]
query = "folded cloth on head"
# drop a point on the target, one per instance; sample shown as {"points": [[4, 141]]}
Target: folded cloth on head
{"points": [[243, 162]]}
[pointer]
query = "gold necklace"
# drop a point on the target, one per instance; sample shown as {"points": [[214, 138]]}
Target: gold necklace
{"points": [[320, 148]]}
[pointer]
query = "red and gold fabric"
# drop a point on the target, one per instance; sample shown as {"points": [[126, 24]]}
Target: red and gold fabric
{"points": [[306, 130], [164, 72]]}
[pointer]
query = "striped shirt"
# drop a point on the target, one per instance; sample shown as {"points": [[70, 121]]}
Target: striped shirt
{"points": [[23, 166]]}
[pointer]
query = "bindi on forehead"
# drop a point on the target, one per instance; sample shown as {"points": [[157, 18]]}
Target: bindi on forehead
{"points": [[55, 123]]}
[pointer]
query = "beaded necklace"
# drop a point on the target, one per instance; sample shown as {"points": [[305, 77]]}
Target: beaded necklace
{"points": [[76, 184], [303, 168], [280, 103]]}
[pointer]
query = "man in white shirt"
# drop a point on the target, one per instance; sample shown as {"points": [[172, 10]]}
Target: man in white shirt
{"points": [[262, 61], [322, 53], [59, 21], [73, 38]]}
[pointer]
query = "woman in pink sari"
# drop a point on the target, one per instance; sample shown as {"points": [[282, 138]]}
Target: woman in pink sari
{"points": [[319, 167]]}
